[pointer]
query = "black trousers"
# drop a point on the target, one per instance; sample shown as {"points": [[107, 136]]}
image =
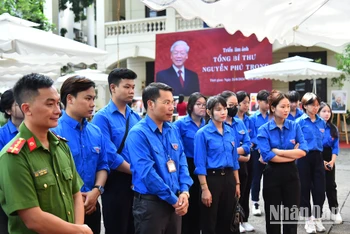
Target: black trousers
{"points": [[244, 200], [155, 216], [281, 189], [117, 203], [3, 222], [258, 169], [312, 179], [331, 186], [216, 218], [190, 221], [94, 220], [246, 181]]}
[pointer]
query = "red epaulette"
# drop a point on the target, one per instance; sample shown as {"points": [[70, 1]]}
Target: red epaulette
{"points": [[16, 146]]}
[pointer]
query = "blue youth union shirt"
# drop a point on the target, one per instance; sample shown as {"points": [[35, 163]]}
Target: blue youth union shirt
{"points": [[112, 124], [313, 131], [150, 150], [249, 125], [188, 129], [241, 134], [297, 114], [87, 146], [213, 150], [271, 136], [257, 120], [7, 133]]}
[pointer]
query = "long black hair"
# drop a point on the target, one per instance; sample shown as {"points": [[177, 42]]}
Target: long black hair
{"points": [[334, 130]]}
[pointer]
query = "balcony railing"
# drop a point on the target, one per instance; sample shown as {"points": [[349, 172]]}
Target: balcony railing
{"points": [[149, 26]]}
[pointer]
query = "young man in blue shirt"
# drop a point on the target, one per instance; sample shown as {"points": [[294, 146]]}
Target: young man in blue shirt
{"points": [[158, 164], [258, 119], [115, 120], [86, 143]]}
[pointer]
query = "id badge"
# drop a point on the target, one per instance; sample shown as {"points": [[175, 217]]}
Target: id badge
{"points": [[171, 166]]}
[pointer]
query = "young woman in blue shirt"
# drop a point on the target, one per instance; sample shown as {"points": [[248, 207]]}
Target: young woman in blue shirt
{"points": [[243, 150], [281, 142], [216, 162], [311, 167], [330, 153], [188, 127]]}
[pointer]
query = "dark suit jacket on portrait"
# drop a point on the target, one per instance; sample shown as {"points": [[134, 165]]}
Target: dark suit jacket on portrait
{"points": [[171, 78], [336, 106]]}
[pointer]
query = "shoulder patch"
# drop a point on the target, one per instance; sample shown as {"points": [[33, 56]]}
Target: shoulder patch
{"points": [[16, 146], [59, 137]]}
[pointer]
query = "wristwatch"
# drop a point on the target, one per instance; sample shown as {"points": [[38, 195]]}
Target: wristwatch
{"points": [[100, 188]]}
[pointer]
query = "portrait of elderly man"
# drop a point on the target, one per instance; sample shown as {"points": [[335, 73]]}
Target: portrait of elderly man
{"points": [[338, 103], [180, 79]]}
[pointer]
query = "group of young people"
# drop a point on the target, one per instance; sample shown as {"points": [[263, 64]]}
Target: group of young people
{"points": [[148, 171]]}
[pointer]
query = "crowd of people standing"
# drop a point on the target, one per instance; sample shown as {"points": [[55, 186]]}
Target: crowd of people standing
{"points": [[155, 175]]}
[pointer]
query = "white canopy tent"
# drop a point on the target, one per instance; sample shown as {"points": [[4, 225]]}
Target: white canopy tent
{"points": [[100, 79], [290, 22], [294, 69]]}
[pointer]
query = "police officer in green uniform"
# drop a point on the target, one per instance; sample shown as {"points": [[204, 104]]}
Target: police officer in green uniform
{"points": [[39, 185]]}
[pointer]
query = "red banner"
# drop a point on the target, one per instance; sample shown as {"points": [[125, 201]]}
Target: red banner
{"points": [[217, 58]]}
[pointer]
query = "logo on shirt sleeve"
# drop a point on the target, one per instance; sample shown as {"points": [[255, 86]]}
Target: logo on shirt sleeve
{"points": [[292, 141], [97, 149], [242, 132], [175, 146], [233, 143], [322, 130]]}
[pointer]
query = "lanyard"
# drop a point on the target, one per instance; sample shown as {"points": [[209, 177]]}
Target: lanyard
{"points": [[166, 150]]}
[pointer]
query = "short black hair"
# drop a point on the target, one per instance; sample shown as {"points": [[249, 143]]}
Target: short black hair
{"points": [[151, 92], [27, 88], [6, 102], [181, 98], [309, 98], [294, 96], [117, 74], [227, 94], [262, 95], [74, 85], [241, 95], [212, 102], [192, 101]]}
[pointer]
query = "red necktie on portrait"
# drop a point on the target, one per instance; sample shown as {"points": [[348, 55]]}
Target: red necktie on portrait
{"points": [[180, 78]]}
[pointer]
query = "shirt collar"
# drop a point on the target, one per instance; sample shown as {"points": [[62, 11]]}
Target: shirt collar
{"points": [[27, 134], [113, 108], [306, 116], [11, 127], [72, 122], [153, 126], [188, 118], [273, 125], [177, 70], [212, 128]]}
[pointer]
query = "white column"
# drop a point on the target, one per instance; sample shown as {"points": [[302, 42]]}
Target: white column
{"points": [[100, 21], [91, 25], [170, 23], [48, 10]]}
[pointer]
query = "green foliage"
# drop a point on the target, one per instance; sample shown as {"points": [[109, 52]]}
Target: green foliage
{"points": [[77, 8], [343, 61], [31, 10]]}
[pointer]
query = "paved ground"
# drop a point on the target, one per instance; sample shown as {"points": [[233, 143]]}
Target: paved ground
{"points": [[343, 182]]}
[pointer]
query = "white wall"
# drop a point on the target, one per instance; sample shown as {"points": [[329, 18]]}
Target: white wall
{"points": [[138, 65]]}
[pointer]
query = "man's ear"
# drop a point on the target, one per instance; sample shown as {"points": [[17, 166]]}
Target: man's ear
{"points": [[150, 105], [69, 99], [25, 107], [111, 87]]}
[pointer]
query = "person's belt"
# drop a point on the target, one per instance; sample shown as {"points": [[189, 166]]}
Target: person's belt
{"points": [[219, 171], [148, 197]]}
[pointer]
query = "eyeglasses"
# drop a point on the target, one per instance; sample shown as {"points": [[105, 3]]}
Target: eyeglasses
{"points": [[199, 105]]}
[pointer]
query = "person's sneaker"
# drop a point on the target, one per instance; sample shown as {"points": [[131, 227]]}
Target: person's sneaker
{"points": [[256, 210], [337, 218], [248, 227], [319, 226], [310, 226], [241, 228]]}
